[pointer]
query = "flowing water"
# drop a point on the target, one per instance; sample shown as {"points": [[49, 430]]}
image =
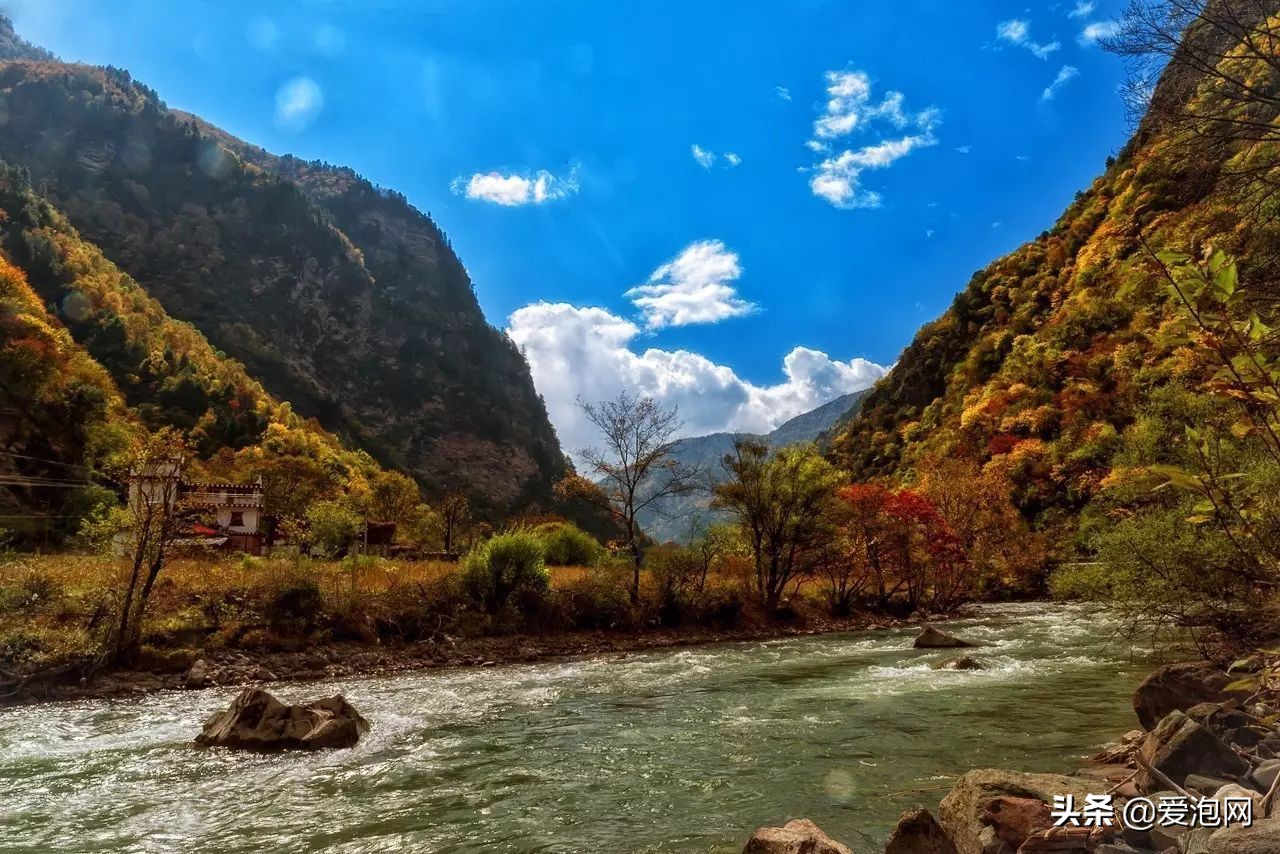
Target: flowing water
{"points": [[683, 750]]}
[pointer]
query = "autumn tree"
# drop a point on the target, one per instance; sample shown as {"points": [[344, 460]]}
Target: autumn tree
{"points": [[975, 503], [781, 502], [860, 557], [928, 559], [393, 497], [633, 470]]}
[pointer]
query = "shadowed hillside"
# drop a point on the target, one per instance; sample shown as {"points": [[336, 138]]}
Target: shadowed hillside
{"points": [[338, 296]]}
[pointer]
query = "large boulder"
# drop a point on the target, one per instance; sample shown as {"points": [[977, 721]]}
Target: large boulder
{"points": [[799, 836], [258, 721], [1179, 746], [1262, 837], [963, 813], [931, 638], [199, 676], [1228, 723], [1015, 820], [1178, 687], [918, 832]]}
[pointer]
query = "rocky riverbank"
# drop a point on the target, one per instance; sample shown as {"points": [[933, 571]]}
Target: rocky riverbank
{"points": [[1208, 745], [241, 667]]}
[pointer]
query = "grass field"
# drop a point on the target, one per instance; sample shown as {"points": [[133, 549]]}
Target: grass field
{"points": [[54, 606]]}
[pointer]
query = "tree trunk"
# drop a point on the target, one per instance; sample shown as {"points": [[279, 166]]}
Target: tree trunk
{"points": [[635, 577]]}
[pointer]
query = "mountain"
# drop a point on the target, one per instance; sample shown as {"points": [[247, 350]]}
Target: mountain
{"points": [[1045, 360], [812, 425], [337, 296], [674, 517], [90, 363]]}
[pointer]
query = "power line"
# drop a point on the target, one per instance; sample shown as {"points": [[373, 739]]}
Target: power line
{"points": [[43, 460], [37, 516]]}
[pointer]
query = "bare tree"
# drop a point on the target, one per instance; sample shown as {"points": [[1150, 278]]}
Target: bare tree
{"points": [[455, 514], [1209, 72], [156, 522], [634, 470]]}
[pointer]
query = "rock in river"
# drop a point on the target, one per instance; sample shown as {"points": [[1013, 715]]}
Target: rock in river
{"points": [[1179, 746], [258, 721], [963, 662], [918, 832], [799, 836], [966, 814], [199, 676], [1178, 687], [1263, 837], [931, 638]]}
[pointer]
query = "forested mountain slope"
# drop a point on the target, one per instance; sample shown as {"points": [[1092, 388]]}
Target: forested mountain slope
{"points": [[1043, 361], [337, 296], [91, 363]]}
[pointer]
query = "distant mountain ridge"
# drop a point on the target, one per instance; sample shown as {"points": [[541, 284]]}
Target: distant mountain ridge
{"points": [[673, 518]]}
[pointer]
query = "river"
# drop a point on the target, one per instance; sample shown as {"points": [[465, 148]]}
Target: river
{"points": [[685, 750]]}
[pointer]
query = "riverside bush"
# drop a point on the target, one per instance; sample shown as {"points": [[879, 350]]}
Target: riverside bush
{"points": [[565, 544], [510, 563], [294, 606], [676, 572], [598, 600]]}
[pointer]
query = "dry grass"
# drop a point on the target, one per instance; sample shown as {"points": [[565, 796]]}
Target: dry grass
{"points": [[49, 603]]}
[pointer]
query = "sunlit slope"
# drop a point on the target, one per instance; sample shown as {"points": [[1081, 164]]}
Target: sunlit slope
{"points": [[1043, 359]]}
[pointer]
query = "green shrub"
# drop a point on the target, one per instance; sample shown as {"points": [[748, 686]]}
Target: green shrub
{"points": [[35, 590], [20, 645], [331, 527], [510, 563], [1162, 574], [676, 571], [294, 606], [35, 645], [723, 609], [601, 600], [565, 544]]}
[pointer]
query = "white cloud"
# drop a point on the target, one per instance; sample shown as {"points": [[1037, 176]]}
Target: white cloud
{"points": [[587, 352], [783, 92], [516, 188], [694, 287], [1083, 9], [1018, 32], [1095, 31], [298, 102], [706, 159], [963, 149], [849, 108], [1065, 74]]}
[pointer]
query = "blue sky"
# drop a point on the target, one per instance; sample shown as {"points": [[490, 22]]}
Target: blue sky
{"points": [[854, 162]]}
